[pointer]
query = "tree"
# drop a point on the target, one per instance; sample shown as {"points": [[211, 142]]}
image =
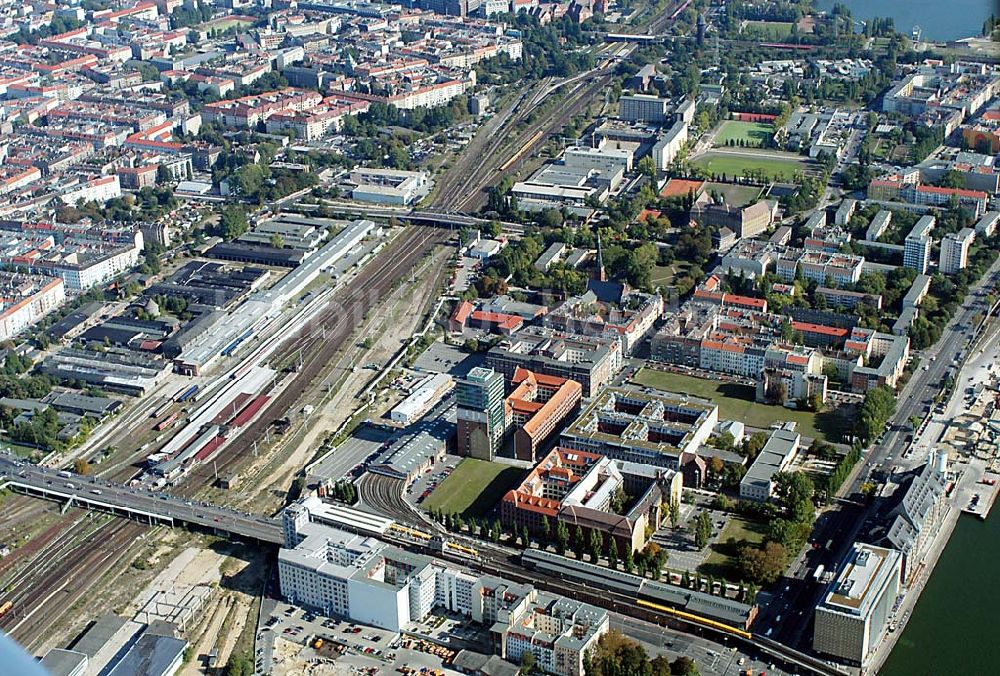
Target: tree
{"points": [[878, 406], [715, 466], [702, 530], [612, 553], [752, 446], [675, 513], [527, 662], [596, 544], [629, 561], [81, 466], [763, 565], [684, 666], [562, 538], [525, 537], [647, 166], [233, 222], [579, 544], [724, 442], [239, 664], [795, 491], [660, 666]]}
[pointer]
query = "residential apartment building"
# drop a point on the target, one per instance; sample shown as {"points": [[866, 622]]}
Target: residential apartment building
{"points": [[669, 144], [879, 224], [917, 246], [987, 225], [24, 299], [821, 267], [778, 453], [324, 567], [591, 361], [628, 317], [852, 618], [955, 251], [580, 490], [919, 513]]}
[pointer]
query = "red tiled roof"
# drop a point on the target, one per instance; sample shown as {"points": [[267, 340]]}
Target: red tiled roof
{"points": [[961, 192], [809, 327]]}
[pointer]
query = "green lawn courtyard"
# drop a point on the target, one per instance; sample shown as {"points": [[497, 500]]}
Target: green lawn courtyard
{"points": [[735, 194], [723, 559], [667, 275], [733, 163], [473, 488], [736, 402], [754, 134]]}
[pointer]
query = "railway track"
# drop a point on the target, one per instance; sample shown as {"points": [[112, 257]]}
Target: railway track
{"points": [[70, 563], [318, 348], [482, 167], [67, 568]]}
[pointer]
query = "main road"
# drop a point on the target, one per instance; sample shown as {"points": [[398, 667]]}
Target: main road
{"points": [[134, 502], [842, 524]]}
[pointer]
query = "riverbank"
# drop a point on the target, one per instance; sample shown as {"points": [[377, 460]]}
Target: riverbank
{"points": [[954, 623], [965, 485]]}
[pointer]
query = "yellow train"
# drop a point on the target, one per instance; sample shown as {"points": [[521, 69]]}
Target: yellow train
{"points": [[695, 619]]}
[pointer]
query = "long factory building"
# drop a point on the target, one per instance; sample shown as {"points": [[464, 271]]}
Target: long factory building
{"points": [[223, 331]]}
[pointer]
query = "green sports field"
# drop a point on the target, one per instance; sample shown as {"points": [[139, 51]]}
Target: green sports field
{"points": [[754, 134], [735, 195], [775, 167], [768, 30]]}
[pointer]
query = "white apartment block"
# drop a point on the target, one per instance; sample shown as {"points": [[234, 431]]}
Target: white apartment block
{"points": [[25, 299], [955, 251], [878, 226], [917, 246], [368, 581], [669, 145], [821, 266]]}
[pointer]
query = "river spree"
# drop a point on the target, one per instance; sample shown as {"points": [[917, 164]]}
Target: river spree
{"points": [[953, 630], [938, 20]]}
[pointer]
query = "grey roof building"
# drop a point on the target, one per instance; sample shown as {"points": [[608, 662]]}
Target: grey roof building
{"points": [[777, 454]]}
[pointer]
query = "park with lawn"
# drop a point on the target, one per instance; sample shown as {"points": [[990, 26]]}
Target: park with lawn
{"points": [[473, 488], [736, 402], [744, 134], [723, 560], [734, 163]]}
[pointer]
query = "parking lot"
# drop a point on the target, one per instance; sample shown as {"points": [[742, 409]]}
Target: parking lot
{"points": [[679, 542], [422, 487], [292, 637], [441, 358]]}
